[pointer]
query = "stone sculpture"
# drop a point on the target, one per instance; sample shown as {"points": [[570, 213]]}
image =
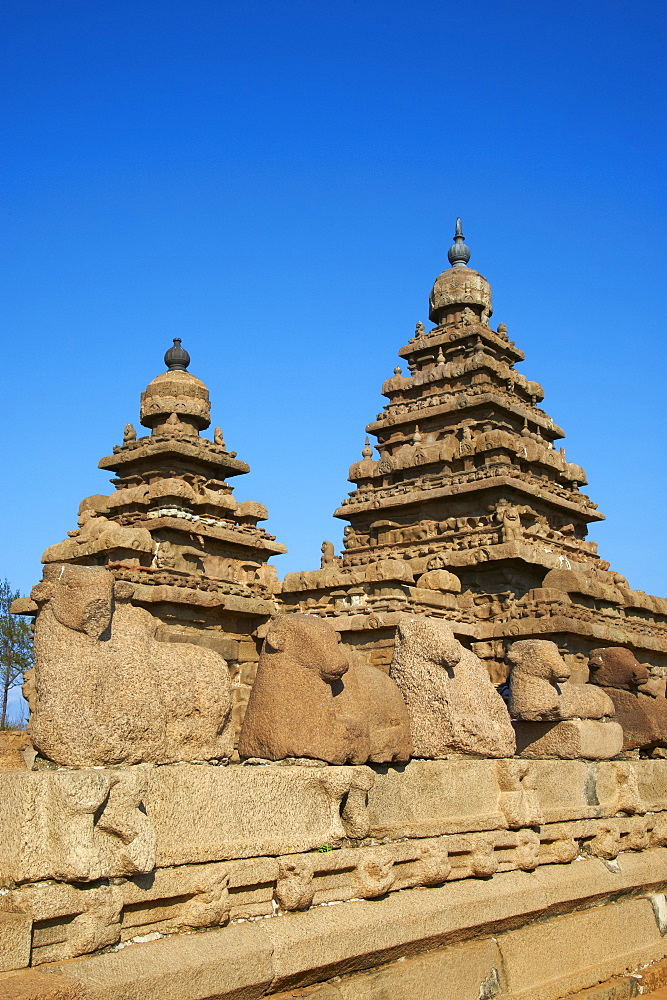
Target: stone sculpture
{"points": [[106, 691], [308, 700], [643, 716], [453, 707], [554, 718]]}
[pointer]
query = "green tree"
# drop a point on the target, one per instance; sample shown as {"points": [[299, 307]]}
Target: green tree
{"points": [[16, 653]]}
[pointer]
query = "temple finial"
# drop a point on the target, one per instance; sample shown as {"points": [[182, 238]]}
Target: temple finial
{"points": [[458, 254], [177, 359], [368, 451]]}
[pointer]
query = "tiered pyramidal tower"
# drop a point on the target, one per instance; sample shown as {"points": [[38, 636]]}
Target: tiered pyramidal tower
{"points": [[193, 555], [470, 510]]}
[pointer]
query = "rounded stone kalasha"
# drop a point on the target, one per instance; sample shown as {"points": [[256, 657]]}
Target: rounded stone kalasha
{"points": [[458, 254], [177, 358]]}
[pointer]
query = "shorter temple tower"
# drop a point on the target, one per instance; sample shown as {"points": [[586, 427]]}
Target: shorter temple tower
{"points": [[194, 555], [470, 511]]}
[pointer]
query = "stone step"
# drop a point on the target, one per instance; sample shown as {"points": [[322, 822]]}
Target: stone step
{"points": [[654, 981], [650, 983]]}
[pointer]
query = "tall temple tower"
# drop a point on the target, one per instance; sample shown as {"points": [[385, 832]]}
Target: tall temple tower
{"points": [[470, 511], [194, 556]]}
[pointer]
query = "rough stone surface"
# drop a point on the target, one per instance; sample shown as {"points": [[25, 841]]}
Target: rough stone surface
{"points": [[573, 739], [15, 749], [75, 825], [429, 798], [15, 931], [107, 692], [40, 986], [643, 717], [303, 704], [307, 948], [452, 704], [463, 972], [538, 686], [234, 964], [609, 940], [237, 812]]}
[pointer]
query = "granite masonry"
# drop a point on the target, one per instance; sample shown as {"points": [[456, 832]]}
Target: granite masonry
{"points": [[435, 768]]}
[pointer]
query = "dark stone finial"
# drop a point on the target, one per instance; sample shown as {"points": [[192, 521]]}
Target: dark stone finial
{"points": [[177, 359], [458, 254]]}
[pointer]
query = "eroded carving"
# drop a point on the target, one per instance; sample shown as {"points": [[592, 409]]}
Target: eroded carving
{"points": [[107, 692]]}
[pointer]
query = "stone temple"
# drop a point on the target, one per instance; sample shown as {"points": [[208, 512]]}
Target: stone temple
{"points": [[455, 730], [470, 511]]}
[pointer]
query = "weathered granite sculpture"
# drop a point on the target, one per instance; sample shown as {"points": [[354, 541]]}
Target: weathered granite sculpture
{"points": [[308, 700], [453, 707], [468, 472], [643, 716], [105, 691], [555, 718]]}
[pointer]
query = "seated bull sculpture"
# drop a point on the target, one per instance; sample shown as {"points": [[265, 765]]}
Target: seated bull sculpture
{"points": [[105, 691], [454, 709], [624, 680], [552, 717], [310, 700]]}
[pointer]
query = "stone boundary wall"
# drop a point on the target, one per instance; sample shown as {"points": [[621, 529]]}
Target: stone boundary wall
{"points": [[111, 859], [517, 936]]}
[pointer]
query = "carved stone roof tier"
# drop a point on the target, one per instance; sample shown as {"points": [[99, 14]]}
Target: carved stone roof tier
{"points": [[434, 489], [191, 453]]}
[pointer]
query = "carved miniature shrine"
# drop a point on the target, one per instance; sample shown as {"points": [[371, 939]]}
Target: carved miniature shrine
{"points": [[470, 512], [211, 763], [189, 552]]}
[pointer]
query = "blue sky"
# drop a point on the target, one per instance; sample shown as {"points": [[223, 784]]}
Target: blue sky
{"points": [[277, 185]]}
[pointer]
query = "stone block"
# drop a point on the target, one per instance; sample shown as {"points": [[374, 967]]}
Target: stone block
{"points": [[233, 963], [89, 824], [15, 940], [31, 985], [247, 652], [591, 880], [573, 739], [617, 786], [13, 747], [227, 648], [459, 972], [337, 940], [652, 783], [565, 789], [428, 798], [579, 949], [204, 813], [74, 825]]}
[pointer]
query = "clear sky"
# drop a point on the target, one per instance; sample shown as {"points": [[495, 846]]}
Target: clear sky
{"points": [[277, 184]]}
